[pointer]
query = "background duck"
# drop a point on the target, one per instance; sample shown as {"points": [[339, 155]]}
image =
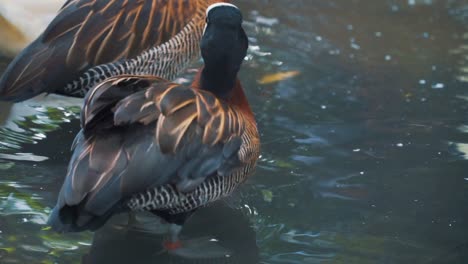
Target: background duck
{"points": [[21, 21], [148, 144], [90, 40]]}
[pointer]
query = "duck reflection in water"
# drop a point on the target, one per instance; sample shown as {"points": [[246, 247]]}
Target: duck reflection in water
{"points": [[119, 243]]}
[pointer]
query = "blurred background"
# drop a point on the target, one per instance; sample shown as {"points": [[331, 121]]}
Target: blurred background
{"points": [[362, 108]]}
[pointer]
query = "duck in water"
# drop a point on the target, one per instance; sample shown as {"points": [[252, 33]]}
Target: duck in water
{"points": [[152, 145]]}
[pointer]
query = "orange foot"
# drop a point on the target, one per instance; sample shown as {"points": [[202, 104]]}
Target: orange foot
{"points": [[171, 245]]}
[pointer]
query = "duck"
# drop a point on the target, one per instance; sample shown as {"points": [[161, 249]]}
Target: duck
{"points": [[148, 144], [91, 40], [21, 21]]}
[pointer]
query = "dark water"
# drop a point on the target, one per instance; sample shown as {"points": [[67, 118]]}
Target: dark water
{"points": [[364, 156]]}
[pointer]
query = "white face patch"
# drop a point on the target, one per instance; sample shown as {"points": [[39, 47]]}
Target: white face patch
{"points": [[218, 4]]}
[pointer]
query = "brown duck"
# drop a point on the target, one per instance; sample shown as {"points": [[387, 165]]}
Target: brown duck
{"points": [[148, 144], [91, 40]]}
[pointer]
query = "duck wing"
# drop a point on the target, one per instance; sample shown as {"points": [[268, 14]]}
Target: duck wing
{"points": [[162, 135], [86, 33]]}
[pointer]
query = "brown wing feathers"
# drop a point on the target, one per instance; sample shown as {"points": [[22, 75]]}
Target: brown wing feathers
{"points": [[180, 111], [177, 108], [109, 30], [100, 100]]}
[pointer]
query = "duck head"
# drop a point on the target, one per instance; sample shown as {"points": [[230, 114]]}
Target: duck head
{"points": [[223, 47]]}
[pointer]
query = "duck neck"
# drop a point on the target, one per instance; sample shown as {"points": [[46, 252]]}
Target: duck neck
{"points": [[218, 80], [231, 90]]}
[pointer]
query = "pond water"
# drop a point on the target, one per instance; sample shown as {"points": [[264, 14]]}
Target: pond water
{"points": [[362, 108]]}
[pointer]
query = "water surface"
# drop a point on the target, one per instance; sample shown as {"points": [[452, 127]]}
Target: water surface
{"points": [[364, 155]]}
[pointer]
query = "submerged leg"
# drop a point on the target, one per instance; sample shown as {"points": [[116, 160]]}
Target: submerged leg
{"points": [[132, 220], [195, 248], [173, 242], [176, 222]]}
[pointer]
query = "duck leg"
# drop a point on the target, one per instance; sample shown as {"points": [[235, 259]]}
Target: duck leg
{"points": [[195, 248], [132, 220], [176, 221], [173, 242]]}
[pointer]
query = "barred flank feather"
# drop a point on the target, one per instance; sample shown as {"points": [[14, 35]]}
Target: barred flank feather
{"points": [[165, 61]]}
